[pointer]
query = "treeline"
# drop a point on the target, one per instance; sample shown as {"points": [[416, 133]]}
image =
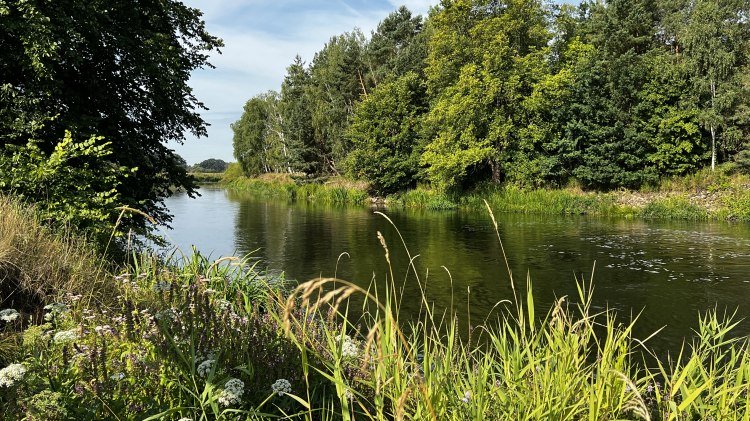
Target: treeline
{"points": [[608, 93]]}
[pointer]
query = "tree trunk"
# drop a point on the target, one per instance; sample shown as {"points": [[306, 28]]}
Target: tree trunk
{"points": [[495, 171], [713, 129], [713, 148]]}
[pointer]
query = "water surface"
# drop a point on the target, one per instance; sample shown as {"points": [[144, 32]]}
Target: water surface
{"points": [[669, 271]]}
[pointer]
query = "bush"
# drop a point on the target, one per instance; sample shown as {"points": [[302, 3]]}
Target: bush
{"points": [[742, 159], [74, 185]]}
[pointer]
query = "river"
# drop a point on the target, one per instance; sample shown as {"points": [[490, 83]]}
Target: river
{"points": [[669, 271]]}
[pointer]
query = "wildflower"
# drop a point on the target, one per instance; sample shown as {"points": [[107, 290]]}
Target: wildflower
{"points": [[12, 374], [105, 329], [117, 376], [205, 368], [232, 393], [223, 304], [281, 386], [8, 315], [185, 419], [65, 336], [73, 297], [467, 397], [349, 349]]}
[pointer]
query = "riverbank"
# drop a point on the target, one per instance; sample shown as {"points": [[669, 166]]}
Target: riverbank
{"points": [[720, 195], [188, 339]]}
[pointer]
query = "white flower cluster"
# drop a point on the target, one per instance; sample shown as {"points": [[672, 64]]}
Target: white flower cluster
{"points": [[12, 374], [104, 330], [8, 315], [204, 368], [167, 314], [117, 376], [185, 419], [232, 393], [55, 309], [281, 386], [349, 349], [65, 336]]}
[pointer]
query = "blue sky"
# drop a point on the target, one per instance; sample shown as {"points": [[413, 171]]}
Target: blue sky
{"points": [[262, 37]]}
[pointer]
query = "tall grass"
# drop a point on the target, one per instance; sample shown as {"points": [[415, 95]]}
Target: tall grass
{"points": [[39, 265], [282, 186]]}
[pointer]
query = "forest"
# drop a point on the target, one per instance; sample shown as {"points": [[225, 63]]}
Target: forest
{"points": [[603, 95]]}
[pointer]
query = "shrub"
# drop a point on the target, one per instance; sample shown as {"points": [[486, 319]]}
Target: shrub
{"points": [[742, 159], [72, 185]]}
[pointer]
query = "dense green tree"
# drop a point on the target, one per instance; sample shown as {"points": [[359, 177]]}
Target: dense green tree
{"points": [[297, 119], [715, 40], [384, 135], [249, 137], [610, 147], [211, 165], [484, 58], [397, 47], [118, 69], [337, 82], [610, 94]]}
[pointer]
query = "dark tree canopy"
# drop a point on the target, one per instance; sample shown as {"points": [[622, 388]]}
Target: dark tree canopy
{"points": [[112, 68], [211, 165]]}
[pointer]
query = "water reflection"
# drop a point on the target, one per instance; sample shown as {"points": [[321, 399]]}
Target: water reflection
{"points": [[669, 270]]}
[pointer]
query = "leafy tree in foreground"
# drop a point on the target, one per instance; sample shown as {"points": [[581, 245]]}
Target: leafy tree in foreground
{"points": [[74, 184], [116, 69], [384, 135]]}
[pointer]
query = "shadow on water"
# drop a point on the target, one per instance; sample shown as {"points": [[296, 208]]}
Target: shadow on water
{"points": [[671, 271]]}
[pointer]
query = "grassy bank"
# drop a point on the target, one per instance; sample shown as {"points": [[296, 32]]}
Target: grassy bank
{"points": [[192, 339], [39, 265], [207, 177], [333, 190], [706, 195]]}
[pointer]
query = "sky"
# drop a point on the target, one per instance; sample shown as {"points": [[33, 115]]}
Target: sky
{"points": [[261, 39]]}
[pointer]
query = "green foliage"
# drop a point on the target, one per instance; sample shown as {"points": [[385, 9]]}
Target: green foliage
{"points": [[423, 198], [384, 135], [75, 184], [118, 70], [460, 123], [743, 161], [607, 95], [675, 207], [211, 165]]}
